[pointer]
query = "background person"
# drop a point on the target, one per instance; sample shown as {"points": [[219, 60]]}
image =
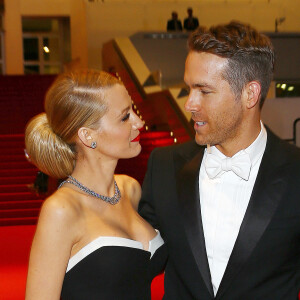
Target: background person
{"points": [[229, 212], [190, 23], [174, 24], [90, 242]]}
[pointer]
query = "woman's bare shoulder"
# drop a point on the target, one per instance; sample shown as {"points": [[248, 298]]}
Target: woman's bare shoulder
{"points": [[61, 211], [63, 203]]}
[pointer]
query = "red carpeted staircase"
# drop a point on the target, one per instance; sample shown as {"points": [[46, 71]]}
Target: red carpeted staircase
{"points": [[19, 205]]}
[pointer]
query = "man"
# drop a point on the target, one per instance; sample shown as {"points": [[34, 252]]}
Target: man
{"points": [[174, 24], [227, 205], [190, 23]]}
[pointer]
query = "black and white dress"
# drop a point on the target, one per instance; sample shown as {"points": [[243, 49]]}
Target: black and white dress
{"points": [[114, 268]]}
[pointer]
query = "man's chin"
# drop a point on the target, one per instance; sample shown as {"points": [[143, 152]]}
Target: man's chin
{"points": [[200, 140]]}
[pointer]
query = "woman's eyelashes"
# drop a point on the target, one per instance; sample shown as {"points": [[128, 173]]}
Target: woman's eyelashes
{"points": [[205, 92], [126, 117]]}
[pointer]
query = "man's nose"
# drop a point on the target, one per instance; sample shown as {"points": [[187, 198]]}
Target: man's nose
{"points": [[190, 104]]}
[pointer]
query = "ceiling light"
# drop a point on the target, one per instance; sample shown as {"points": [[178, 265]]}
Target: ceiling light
{"points": [[46, 49], [283, 86]]}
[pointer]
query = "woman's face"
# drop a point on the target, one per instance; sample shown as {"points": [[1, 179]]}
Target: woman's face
{"points": [[118, 133]]}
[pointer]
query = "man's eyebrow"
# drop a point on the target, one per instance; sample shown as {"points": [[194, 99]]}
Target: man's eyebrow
{"points": [[202, 85]]}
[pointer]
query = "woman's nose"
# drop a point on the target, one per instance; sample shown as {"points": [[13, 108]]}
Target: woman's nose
{"points": [[138, 123]]}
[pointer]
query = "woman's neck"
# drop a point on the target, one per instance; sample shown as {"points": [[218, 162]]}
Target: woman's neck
{"points": [[97, 175]]}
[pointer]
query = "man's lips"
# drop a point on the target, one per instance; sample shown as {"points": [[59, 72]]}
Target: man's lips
{"points": [[137, 139]]}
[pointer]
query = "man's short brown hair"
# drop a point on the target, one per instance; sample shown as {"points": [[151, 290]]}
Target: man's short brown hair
{"points": [[250, 54]]}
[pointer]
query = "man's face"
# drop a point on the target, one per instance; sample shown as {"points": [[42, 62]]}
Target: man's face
{"points": [[217, 114]]}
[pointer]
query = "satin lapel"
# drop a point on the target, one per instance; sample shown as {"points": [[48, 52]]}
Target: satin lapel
{"points": [[187, 181], [264, 200]]}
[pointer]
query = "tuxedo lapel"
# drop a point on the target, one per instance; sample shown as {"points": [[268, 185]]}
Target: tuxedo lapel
{"points": [[264, 200], [187, 181]]}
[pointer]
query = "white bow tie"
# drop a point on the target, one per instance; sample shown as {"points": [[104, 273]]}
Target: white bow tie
{"points": [[240, 165]]}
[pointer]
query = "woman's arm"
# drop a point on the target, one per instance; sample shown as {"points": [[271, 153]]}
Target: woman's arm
{"points": [[51, 248]]}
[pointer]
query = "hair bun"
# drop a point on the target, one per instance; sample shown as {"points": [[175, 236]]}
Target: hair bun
{"points": [[47, 150]]}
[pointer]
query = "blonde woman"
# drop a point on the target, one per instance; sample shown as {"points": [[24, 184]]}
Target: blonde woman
{"points": [[90, 242]]}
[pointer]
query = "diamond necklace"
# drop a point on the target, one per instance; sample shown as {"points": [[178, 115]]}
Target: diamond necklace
{"points": [[111, 200]]}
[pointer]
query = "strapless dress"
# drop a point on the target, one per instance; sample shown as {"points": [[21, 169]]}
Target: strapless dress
{"points": [[114, 268]]}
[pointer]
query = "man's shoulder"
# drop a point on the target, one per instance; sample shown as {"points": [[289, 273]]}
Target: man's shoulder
{"points": [[281, 148]]}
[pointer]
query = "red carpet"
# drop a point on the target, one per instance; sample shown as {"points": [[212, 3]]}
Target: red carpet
{"points": [[14, 252]]}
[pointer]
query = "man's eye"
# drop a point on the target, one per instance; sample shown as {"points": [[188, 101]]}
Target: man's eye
{"points": [[126, 117]]}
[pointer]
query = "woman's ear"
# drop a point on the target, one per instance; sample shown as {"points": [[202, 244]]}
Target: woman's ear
{"points": [[253, 90], [85, 136]]}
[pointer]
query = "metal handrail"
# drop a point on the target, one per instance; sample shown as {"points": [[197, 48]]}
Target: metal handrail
{"points": [[293, 140]]}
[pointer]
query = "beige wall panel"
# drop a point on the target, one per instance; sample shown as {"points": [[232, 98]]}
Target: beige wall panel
{"points": [[13, 37], [45, 7], [120, 18]]}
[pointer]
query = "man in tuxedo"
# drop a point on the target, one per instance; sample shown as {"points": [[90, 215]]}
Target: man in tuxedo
{"points": [[228, 203], [174, 24], [190, 23]]}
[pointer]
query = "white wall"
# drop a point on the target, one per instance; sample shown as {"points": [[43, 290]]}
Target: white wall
{"points": [[279, 114]]}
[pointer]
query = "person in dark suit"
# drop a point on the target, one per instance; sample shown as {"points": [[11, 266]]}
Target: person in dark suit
{"points": [[190, 23], [228, 203], [174, 24]]}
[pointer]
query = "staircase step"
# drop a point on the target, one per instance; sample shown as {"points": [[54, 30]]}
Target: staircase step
{"points": [[158, 142], [21, 204], [18, 172], [5, 150], [18, 221], [20, 144], [9, 165], [13, 137], [19, 213], [21, 196], [12, 158], [17, 180], [154, 134], [17, 188]]}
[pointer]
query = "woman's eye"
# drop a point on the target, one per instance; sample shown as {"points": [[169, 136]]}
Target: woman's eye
{"points": [[205, 92], [126, 117]]}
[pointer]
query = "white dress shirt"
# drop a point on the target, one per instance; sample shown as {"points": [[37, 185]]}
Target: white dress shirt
{"points": [[224, 201]]}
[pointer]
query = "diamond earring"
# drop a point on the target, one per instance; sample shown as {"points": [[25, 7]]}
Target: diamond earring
{"points": [[93, 145]]}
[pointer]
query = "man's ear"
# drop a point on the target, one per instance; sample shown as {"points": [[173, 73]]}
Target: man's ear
{"points": [[253, 93], [85, 136]]}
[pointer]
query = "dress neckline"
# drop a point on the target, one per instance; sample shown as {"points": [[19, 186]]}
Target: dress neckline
{"points": [[104, 241]]}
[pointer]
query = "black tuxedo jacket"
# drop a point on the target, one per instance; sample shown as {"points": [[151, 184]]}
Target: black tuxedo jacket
{"points": [[174, 25], [265, 261], [191, 24]]}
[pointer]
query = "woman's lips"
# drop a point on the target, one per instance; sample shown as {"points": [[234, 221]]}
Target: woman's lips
{"points": [[137, 139]]}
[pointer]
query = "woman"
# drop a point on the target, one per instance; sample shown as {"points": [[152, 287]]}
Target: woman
{"points": [[90, 242]]}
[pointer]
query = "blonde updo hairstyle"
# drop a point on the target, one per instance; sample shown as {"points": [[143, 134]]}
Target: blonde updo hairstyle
{"points": [[74, 100]]}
